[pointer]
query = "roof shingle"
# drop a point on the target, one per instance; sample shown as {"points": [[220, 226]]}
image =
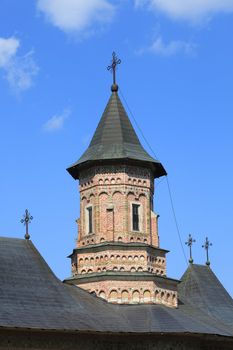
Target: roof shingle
{"points": [[32, 297], [115, 140]]}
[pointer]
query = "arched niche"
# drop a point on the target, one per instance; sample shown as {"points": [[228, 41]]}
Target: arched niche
{"points": [[91, 198], [136, 296], [103, 202], [103, 196], [113, 297], [118, 180], [125, 296], [131, 196], [119, 211], [147, 296], [102, 294], [157, 296]]}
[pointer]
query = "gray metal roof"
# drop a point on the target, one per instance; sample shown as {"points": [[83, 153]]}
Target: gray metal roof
{"points": [[115, 140], [32, 297], [201, 288]]}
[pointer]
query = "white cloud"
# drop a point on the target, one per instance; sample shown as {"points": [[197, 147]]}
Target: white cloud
{"points": [[18, 70], [57, 121], [8, 49], [76, 15], [193, 10], [171, 48]]}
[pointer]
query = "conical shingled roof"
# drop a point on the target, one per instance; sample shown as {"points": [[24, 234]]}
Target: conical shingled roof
{"points": [[115, 139]]}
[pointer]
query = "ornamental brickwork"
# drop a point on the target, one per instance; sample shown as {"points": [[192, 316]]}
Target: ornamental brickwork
{"points": [[133, 292], [132, 260], [110, 192], [114, 261]]}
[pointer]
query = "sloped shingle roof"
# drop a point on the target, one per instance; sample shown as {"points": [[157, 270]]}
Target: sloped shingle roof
{"points": [[115, 139], [32, 297]]}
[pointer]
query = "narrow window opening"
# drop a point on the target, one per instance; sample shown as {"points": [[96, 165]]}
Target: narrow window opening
{"points": [[90, 220], [135, 208]]}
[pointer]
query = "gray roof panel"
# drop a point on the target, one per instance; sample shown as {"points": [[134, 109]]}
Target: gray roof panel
{"points": [[201, 287], [31, 296]]}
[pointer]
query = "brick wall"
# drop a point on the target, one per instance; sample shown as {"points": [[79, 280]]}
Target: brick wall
{"points": [[119, 260], [133, 292], [110, 192]]}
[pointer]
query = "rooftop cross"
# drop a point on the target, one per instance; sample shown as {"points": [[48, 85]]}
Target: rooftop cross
{"points": [[115, 61], [207, 246], [189, 243], [27, 218]]}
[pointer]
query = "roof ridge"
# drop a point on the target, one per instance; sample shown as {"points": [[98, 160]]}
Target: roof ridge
{"points": [[119, 105], [122, 110]]}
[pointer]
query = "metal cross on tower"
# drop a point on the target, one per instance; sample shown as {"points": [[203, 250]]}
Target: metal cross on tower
{"points": [[207, 246], [27, 218], [113, 66], [189, 243]]}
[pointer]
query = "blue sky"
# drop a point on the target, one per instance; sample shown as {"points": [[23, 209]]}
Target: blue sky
{"points": [[177, 77]]}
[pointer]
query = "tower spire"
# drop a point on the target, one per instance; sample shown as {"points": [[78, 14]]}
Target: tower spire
{"points": [[115, 61]]}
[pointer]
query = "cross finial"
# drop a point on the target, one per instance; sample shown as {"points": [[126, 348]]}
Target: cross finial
{"points": [[189, 243], [115, 61], [27, 218], [207, 246]]}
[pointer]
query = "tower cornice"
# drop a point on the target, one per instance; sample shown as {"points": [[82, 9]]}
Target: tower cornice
{"points": [[94, 248]]}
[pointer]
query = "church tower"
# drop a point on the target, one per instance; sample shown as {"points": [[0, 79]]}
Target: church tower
{"points": [[118, 255]]}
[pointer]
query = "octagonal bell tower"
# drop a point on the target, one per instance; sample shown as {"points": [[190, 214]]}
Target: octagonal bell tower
{"points": [[118, 255]]}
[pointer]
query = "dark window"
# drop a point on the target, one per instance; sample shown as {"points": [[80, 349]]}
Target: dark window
{"points": [[136, 217], [90, 226]]}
